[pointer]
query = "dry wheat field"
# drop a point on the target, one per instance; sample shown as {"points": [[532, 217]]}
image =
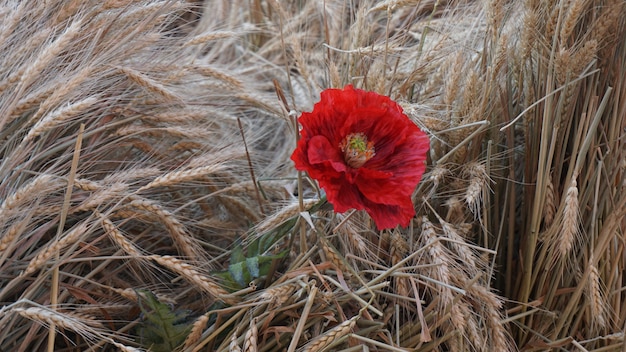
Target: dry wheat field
{"points": [[148, 201]]}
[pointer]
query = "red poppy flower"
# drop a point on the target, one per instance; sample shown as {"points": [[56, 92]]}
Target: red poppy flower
{"points": [[364, 152]]}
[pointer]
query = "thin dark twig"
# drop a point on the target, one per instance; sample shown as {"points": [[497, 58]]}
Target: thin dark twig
{"points": [[256, 187]]}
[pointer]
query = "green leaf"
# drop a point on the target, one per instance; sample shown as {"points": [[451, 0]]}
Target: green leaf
{"points": [[253, 266], [162, 328]]}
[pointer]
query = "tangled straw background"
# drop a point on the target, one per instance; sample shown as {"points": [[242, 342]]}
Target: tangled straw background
{"points": [[130, 220]]}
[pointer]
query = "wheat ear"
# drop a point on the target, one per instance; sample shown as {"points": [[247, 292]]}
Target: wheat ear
{"points": [[571, 18], [47, 252], [27, 192], [118, 238], [550, 204], [60, 116], [234, 346], [570, 221], [250, 341], [398, 249], [176, 229], [594, 294], [71, 321], [189, 273], [320, 343], [149, 84], [196, 330], [50, 52]]}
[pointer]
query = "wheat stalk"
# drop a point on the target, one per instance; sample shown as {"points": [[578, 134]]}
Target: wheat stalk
{"points": [[116, 235], [574, 11], [550, 204], [320, 343], [191, 274], [28, 192], [149, 84], [50, 52], [278, 295], [180, 176], [177, 230], [71, 321], [595, 297], [47, 252], [570, 221], [234, 346], [196, 330], [250, 341]]}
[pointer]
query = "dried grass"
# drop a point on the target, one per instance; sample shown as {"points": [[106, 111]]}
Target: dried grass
{"points": [[523, 195]]}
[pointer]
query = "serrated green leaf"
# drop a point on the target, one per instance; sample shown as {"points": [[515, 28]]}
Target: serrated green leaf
{"points": [[162, 328]]}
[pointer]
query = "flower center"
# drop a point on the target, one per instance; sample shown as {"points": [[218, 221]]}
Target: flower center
{"points": [[356, 149]]}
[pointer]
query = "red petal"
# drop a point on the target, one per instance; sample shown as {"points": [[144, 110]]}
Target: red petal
{"points": [[320, 151], [390, 216], [342, 194]]}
